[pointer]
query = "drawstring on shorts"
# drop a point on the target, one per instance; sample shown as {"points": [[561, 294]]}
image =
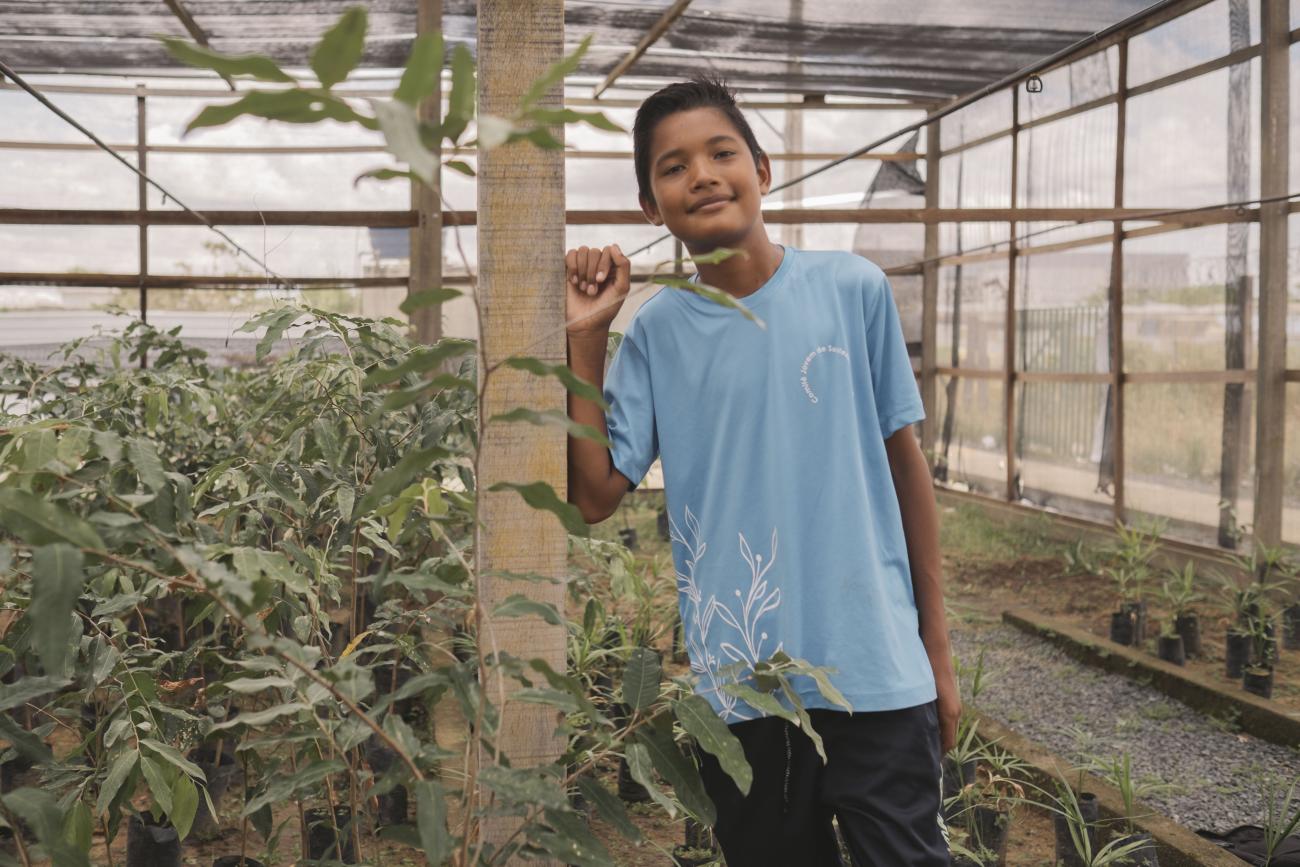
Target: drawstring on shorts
{"points": [[785, 789]]}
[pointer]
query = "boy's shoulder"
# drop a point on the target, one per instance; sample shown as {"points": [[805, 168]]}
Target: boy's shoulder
{"points": [[653, 308], [843, 265]]}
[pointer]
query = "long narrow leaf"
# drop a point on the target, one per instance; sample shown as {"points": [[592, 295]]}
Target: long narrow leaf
{"points": [[540, 495]]}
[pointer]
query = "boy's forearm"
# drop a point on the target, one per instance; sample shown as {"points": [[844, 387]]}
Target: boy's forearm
{"points": [[915, 490], [589, 461]]}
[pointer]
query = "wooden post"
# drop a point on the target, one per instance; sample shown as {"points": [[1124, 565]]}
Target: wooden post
{"points": [[426, 235], [1270, 398], [1009, 335], [1115, 319], [1236, 403], [930, 295], [521, 286]]}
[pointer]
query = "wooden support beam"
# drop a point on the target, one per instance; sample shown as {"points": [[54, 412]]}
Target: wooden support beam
{"points": [[1270, 387], [521, 296], [245, 150], [930, 297], [1152, 377], [426, 235], [745, 100], [779, 216], [1115, 318], [1009, 324], [660, 27]]}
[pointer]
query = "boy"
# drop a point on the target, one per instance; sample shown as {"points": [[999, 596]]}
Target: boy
{"points": [[801, 508]]}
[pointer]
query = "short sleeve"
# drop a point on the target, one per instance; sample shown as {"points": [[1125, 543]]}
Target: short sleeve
{"points": [[898, 401], [631, 416]]}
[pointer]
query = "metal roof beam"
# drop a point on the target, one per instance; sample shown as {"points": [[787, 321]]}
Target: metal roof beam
{"points": [[651, 37]]}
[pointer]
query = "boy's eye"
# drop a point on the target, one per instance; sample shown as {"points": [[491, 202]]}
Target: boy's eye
{"points": [[671, 169], [725, 153]]}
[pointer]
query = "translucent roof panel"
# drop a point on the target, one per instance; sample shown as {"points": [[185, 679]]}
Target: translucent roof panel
{"points": [[923, 49]]}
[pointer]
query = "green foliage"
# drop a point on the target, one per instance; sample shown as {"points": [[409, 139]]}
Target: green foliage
{"points": [[274, 560], [1118, 771]]}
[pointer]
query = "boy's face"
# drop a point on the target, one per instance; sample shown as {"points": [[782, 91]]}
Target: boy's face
{"points": [[707, 188]]}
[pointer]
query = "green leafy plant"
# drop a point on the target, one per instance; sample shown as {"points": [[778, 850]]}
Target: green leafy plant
{"points": [[1065, 802], [1118, 771], [1080, 559], [278, 558], [1180, 589], [1281, 813]]}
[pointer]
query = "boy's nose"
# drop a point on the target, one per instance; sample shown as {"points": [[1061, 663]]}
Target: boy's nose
{"points": [[703, 176]]}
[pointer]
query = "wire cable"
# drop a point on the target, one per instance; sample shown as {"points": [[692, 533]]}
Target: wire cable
{"points": [[958, 104], [9, 73], [1140, 217]]}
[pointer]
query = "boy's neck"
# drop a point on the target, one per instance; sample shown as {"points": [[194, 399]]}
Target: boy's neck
{"points": [[744, 273]]}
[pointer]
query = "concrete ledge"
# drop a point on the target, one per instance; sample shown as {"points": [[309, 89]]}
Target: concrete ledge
{"points": [[1257, 716], [1178, 846]]}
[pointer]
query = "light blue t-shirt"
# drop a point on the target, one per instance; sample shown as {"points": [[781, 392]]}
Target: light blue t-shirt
{"points": [[785, 526]]}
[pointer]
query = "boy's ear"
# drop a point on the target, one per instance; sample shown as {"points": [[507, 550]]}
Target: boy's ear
{"points": [[651, 210], [764, 173]]}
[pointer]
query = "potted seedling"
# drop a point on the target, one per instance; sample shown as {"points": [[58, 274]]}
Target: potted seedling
{"points": [[1239, 603], [1127, 623], [699, 847], [986, 805], [1281, 814], [1257, 676], [964, 856], [960, 762], [1180, 592], [1169, 646], [1077, 830], [1130, 567], [694, 856], [959, 765], [1118, 771]]}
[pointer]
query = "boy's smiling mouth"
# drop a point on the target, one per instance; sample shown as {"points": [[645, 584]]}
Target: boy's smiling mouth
{"points": [[712, 203]]}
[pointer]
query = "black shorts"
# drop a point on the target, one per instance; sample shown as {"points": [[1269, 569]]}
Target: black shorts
{"points": [[880, 782]]}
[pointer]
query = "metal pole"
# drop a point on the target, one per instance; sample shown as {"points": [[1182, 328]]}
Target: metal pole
{"points": [[142, 205]]}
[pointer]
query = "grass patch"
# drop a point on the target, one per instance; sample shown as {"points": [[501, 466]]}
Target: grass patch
{"points": [[967, 531]]}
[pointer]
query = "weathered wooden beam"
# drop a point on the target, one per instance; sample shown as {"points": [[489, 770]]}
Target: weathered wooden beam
{"points": [[1270, 385], [658, 29], [521, 295], [426, 235], [235, 150], [930, 297], [405, 219], [745, 101], [1153, 377], [1115, 317]]}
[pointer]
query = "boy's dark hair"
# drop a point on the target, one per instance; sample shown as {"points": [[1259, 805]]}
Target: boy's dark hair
{"points": [[701, 91]]}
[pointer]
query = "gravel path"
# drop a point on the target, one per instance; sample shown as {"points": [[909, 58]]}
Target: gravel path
{"points": [[1074, 710]]}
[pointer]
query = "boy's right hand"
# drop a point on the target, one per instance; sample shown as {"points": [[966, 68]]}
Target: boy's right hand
{"points": [[596, 282]]}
